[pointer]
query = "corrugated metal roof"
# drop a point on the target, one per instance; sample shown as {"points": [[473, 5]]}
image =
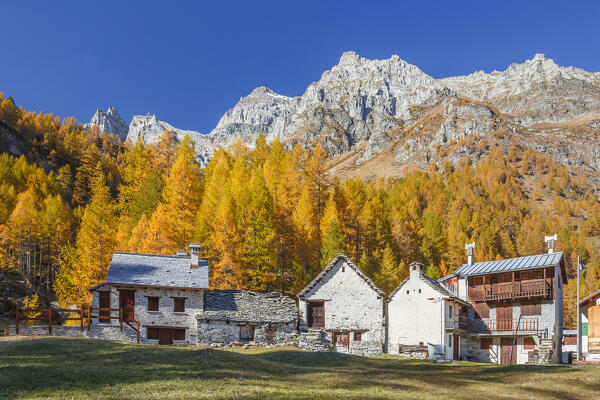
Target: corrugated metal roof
{"points": [[510, 264], [157, 270]]}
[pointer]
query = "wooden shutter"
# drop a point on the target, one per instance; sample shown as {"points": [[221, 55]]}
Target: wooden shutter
{"points": [[152, 333], [528, 343], [152, 303], [179, 304], [178, 334], [486, 343], [531, 308]]}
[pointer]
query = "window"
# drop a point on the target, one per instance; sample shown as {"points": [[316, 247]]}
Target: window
{"points": [[485, 343], [450, 311], [152, 333], [528, 343], [178, 304], [152, 303], [357, 336], [449, 340], [246, 333], [408, 292], [341, 339], [531, 308], [178, 334], [419, 290]]}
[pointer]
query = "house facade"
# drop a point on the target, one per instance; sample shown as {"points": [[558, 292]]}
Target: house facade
{"points": [[422, 313], [160, 294], [231, 316], [517, 312], [342, 308], [589, 314]]}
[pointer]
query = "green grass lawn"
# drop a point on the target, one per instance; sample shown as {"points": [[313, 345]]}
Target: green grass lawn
{"points": [[53, 368]]}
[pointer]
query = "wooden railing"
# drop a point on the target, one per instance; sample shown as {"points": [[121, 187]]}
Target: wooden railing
{"points": [[503, 325], [511, 290], [460, 323], [104, 314]]}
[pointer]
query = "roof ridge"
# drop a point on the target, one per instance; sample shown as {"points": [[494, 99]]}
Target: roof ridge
{"points": [[156, 255]]}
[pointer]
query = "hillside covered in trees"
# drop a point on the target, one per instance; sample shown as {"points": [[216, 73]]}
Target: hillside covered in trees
{"points": [[267, 218]]}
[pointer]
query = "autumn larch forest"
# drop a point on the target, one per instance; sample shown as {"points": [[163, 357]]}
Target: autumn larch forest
{"points": [[268, 218]]}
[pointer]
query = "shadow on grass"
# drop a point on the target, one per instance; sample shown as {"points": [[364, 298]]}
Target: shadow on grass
{"points": [[30, 367]]}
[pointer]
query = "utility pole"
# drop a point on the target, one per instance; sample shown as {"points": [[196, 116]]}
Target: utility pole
{"points": [[578, 322]]}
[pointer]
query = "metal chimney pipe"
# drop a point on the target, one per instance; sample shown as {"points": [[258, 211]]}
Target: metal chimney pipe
{"points": [[469, 247], [550, 240]]}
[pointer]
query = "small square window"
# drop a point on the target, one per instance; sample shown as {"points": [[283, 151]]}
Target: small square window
{"points": [[408, 292], [419, 290], [179, 304], [152, 303], [246, 333], [357, 336], [178, 334]]}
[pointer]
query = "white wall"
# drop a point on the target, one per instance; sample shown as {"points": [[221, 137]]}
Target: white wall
{"points": [[415, 317]]}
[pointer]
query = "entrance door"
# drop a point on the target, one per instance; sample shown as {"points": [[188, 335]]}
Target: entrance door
{"points": [[165, 336], [506, 348], [104, 302], [504, 317], [455, 355], [316, 314], [127, 303]]}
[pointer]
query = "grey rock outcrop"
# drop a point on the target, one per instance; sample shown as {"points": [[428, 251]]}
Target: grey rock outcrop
{"points": [[110, 122]]}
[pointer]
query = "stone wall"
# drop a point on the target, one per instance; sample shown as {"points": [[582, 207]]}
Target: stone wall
{"points": [[103, 331], [165, 316], [413, 352], [351, 304], [266, 333]]}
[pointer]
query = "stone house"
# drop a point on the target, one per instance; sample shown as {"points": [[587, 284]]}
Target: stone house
{"points": [[517, 307], [163, 294], [231, 316], [423, 314], [589, 315], [342, 308]]}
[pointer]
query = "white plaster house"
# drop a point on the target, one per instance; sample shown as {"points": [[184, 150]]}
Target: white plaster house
{"points": [[345, 308], [422, 312], [163, 294]]}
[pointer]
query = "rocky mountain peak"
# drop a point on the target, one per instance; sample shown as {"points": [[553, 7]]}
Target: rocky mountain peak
{"points": [[110, 122]]}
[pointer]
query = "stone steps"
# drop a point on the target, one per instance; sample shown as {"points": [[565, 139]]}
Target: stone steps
{"points": [[313, 340]]}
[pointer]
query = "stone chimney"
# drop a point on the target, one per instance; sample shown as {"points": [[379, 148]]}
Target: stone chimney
{"points": [[194, 252], [469, 248], [416, 269], [550, 240]]}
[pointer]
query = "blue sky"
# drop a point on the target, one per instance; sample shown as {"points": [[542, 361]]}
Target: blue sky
{"points": [[188, 62]]}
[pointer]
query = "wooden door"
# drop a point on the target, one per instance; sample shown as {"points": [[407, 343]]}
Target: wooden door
{"points": [[594, 327], [104, 302], [455, 344], [506, 348], [165, 336], [316, 314], [504, 317], [127, 303]]}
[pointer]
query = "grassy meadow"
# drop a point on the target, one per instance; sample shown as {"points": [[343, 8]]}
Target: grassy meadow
{"points": [[59, 368]]}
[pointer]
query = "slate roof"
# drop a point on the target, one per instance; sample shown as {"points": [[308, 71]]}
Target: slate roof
{"points": [[511, 264], [330, 266], [157, 270], [247, 306]]}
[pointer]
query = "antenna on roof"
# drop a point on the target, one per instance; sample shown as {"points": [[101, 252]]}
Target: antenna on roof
{"points": [[550, 240], [469, 248]]}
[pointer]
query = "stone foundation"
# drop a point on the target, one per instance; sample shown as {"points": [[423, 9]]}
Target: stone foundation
{"points": [[224, 332], [413, 352], [105, 332]]}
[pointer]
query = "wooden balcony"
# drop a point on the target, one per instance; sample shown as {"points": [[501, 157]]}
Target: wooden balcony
{"points": [[490, 326], [511, 290], [458, 323]]}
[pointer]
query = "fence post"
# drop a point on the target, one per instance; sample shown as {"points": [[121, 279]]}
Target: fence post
{"points": [[49, 320], [81, 319], [138, 331], [121, 317], [17, 320], [89, 314]]}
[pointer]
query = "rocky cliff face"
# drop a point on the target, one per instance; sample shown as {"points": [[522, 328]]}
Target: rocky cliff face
{"points": [[110, 122], [389, 109]]}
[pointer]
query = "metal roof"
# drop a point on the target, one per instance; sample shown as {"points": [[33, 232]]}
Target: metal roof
{"points": [[510, 264], [596, 293], [157, 270]]}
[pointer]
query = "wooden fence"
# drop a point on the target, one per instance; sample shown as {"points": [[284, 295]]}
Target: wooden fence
{"points": [[85, 317]]}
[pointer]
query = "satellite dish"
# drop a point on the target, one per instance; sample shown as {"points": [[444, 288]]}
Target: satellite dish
{"points": [[598, 301]]}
